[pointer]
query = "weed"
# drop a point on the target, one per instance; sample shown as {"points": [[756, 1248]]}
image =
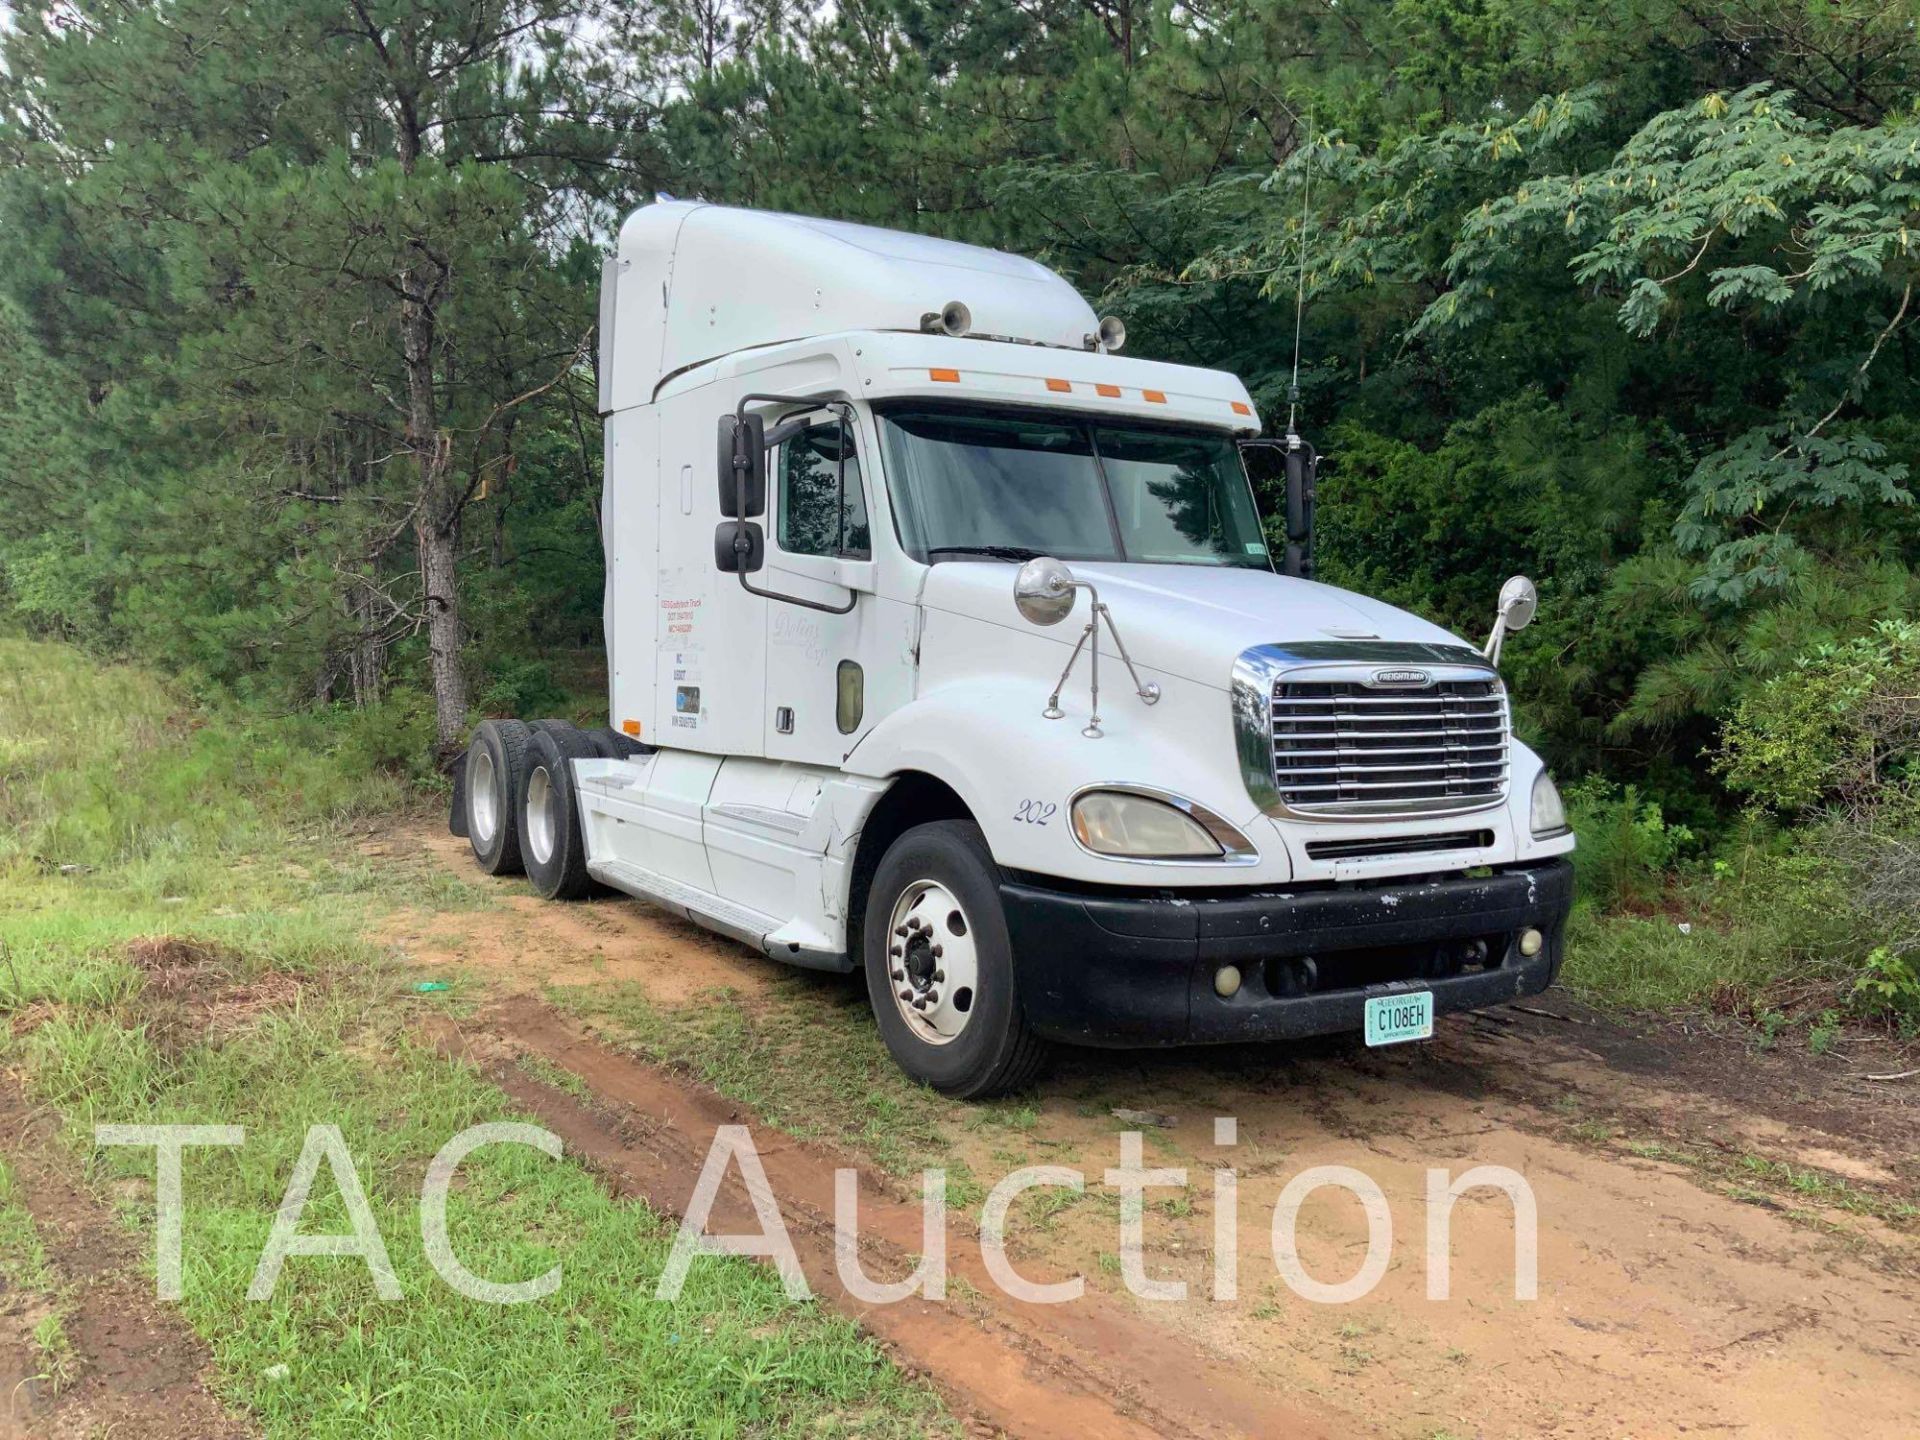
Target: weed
{"points": [[1825, 1032], [59, 1365]]}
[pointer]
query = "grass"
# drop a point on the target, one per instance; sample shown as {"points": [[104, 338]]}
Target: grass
{"points": [[1759, 1179], [1642, 963], [23, 1260], [1770, 927], [129, 816], [28, 1280]]}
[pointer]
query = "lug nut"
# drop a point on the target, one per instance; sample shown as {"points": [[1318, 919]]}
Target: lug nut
{"points": [[938, 976], [899, 975], [938, 951], [900, 930], [906, 995]]}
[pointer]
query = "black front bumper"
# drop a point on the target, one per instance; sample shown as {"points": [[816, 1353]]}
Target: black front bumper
{"points": [[1104, 969]]}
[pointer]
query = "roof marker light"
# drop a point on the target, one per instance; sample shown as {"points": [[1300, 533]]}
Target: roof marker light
{"points": [[1154, 397], [1063, 386], [1111, 391], [952, 377], [1240, 407]]}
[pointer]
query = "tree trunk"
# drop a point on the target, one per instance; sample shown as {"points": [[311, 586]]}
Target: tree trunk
{"points": [[439, 593], [436, 524]]}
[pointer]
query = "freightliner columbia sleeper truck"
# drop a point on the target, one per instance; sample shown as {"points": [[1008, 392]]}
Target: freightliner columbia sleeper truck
{"points": [[944, 645]]}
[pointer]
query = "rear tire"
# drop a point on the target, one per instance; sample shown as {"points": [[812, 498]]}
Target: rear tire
{"points": [[496, 779], [553, 842], [610, 744], [943, 992]]}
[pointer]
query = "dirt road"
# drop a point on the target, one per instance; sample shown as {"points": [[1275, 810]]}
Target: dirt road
{"points": [[1728, 1241]]}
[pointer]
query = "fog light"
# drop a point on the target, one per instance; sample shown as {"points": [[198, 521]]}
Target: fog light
{"points": [[1530, 942], [1226, 981]]}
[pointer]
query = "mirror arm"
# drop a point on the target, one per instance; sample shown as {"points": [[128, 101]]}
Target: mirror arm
{"points": [[741, 545], [1494, 640]]}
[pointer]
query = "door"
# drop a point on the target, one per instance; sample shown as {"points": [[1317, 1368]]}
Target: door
{"points": [[829, 677]]}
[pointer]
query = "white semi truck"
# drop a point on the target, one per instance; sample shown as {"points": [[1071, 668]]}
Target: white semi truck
{"points": [[944, 644]]}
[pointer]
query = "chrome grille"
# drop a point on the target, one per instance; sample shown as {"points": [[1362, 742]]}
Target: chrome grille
{"points": [[1344, 747]]}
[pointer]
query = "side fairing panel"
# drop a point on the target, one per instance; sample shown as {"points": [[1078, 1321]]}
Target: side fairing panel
{"points": [[630, 533], [709, 635]]}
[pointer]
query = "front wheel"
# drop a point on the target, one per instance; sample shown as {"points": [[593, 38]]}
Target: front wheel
{"points": [[939, 965]]}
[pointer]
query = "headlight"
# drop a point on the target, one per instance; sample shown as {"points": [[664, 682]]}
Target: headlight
{"points": [[1141, 827], [1549, 815]]}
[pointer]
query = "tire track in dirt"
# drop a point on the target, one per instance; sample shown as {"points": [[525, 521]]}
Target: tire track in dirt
{"points": [[1673, 1298], [1039, 1371], [140, 1373]]}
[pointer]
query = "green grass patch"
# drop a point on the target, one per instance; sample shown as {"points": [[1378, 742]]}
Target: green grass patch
{"points": [[327, 1356], [23, 1260], [182, 916], [1649, 963]]}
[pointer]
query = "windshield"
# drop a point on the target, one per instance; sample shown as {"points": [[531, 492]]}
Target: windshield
{"points": [[1012, 486]]}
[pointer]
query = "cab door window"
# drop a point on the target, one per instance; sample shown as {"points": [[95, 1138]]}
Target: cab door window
{"points": [[811, 521]]}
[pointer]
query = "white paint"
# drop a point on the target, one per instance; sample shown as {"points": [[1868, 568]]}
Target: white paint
{"points": [[711, 304]]}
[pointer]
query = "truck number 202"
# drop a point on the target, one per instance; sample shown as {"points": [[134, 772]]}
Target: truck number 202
{"points": [[1036, 812]]}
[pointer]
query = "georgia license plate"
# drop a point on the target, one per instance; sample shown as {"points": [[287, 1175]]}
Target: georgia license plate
{"points": [[1394, 1018]]}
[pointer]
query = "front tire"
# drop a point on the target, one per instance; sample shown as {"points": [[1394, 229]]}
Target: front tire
{"points": [[939, 965], [552, 839], [496, 777]]}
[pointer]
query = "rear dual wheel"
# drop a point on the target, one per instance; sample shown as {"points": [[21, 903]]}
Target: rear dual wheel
{"points": [[496, 781], [552, 833], [522, 812]]}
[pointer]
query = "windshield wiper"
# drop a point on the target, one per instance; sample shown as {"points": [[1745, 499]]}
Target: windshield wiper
{"points": [[992, 552]]}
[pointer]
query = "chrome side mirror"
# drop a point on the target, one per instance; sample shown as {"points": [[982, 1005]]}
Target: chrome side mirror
{"points": [[1043, 591], [1518, 602]]}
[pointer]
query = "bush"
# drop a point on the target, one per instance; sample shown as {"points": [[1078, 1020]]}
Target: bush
{"points": [[1842, 729], [54, 589], [393, 737], [1627, 847], [521, 687], [1889, 986]]}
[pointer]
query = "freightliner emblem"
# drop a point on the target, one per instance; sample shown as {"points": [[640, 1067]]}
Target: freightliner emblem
{"points": [[1402, 679]]}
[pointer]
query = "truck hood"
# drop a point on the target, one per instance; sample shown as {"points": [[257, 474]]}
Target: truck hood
{"points": [[1187, 620]]}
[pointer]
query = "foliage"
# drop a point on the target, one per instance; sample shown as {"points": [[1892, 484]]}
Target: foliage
{"points": [[1626, 845], [1889, 985], [1842, 728], [1618, 294]]}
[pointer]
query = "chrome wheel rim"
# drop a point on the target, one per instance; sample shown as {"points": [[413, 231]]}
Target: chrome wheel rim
{"points": [[483, 805], [541, 826], [933, 963]]}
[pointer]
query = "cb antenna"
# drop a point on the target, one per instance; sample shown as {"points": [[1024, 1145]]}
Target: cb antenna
{"points": [[1300, 292], [1302, 460]]}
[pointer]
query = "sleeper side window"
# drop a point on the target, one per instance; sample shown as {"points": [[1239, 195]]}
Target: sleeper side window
{"points": [[810, 521]]}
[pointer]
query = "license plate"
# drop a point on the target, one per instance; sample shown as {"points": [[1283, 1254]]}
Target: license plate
{"points": [[1392, 1019]]}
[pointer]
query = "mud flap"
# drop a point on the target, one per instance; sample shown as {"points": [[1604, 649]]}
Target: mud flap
{"points": [[457, 813]]}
